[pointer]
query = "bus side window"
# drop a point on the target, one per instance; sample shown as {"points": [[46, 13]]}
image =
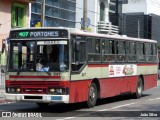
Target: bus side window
{"points": [[93, 49], [155, 52], [140, 52], [81, 53], [108, 50], [78, 54], [131, 51], [121, 51], [149, 52]]}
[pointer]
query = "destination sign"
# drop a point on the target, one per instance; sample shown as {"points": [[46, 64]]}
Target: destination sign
{"points": [[52, 43], [39, 34], [45, 34]]}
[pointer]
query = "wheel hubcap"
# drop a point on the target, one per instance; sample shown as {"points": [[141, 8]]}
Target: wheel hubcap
{"points": [[139, 88], [92, 94]]}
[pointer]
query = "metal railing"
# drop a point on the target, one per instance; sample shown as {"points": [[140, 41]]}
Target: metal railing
{"points": [[107, 28]]}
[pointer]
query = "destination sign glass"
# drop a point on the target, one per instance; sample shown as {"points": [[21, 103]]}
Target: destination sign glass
{"points": [[39, 34]]}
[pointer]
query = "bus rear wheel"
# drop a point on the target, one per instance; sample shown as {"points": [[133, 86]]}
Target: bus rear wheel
{"points": [[139, 88], [42, 105], [92, 95]]}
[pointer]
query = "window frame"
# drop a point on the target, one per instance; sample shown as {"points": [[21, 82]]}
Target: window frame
{"points": [[129, 52], [111, 57], [77, 67], [143, 51], [151, 52], [121, 57], [93, 52], [13, 15]]}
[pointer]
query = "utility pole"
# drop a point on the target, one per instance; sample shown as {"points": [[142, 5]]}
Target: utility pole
{"points": [[43, 13], [84, 14], [138, 29]]}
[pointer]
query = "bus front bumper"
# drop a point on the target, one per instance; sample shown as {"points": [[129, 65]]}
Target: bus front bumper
{"points": [[37, 98]]}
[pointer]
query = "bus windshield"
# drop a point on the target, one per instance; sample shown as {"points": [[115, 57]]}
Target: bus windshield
{"points": [[42, 56]]}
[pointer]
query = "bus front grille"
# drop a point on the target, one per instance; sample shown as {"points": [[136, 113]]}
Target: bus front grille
{"points": [[34, 83], [34, 90]]}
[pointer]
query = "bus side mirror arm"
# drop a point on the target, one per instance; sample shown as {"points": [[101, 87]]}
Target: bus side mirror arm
{"points": [[75, 63]]}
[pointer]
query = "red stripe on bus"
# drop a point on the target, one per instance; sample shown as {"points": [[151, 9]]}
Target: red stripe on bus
{"points": [[37, 83], [152, 64], [106, 65], [98, 65], [34, 76]]}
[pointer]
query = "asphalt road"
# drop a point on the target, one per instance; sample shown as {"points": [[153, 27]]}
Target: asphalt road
{"points": [[115, 108]]}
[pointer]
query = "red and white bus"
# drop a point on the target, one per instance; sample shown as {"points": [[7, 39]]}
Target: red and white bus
{"points": [[62, 65]]}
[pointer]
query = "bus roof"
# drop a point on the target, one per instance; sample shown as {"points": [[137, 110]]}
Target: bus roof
{"points": [[84, 33], [121, 37]]}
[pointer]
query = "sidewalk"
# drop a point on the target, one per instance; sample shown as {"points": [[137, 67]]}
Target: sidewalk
{"points": [[2, 99], [2, 91]]}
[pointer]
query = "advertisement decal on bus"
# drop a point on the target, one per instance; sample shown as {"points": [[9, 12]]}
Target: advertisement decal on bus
{"points": [[122, 70]]}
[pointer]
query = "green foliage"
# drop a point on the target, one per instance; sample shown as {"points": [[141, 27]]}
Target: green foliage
{"points": [[158, 46]]}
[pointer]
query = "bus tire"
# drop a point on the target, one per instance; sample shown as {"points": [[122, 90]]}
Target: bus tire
{"points": [[139, 88], [42, 105], [92, 95]]}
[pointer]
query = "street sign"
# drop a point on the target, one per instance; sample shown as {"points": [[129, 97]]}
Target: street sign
{"points": [[88, 22]]}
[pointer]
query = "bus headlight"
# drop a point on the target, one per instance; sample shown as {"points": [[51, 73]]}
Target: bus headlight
{"points": [[52, 90], [57, 91], [13, 90], [18, 90]]}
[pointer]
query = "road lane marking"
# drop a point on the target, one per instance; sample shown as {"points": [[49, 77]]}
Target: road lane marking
{"points": [[116, 107], [67, 118], [154, 99]]}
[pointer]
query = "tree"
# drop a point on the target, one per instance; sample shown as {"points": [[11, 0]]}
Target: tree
{"points": [[158, 46]]}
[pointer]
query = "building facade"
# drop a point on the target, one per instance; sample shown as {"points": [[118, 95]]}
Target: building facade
{"points": [[13, 14], [98, 16], [57, 13], [69, 13], [141, 18]]}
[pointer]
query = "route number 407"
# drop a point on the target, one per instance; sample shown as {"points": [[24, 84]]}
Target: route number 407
{"points": [[23, 34]]}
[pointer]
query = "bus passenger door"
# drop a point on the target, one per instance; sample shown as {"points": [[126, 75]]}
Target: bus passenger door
{"points": [[78, 89]]}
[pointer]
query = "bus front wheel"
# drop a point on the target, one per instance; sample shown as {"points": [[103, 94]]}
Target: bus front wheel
{"points": [[92, 95], [139, 89]]}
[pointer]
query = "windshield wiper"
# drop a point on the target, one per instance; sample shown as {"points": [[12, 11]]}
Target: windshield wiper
{"points": [[22, 67]]}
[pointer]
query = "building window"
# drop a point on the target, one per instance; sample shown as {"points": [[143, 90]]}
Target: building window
{"points": [[102, 11], [58, 13], [36, 8], [18, 15]]}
